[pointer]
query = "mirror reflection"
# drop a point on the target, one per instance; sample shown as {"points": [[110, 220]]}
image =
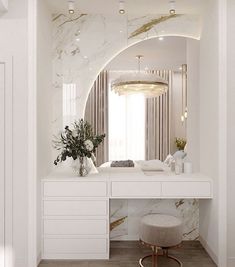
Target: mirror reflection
{"points": [[141, 124]]}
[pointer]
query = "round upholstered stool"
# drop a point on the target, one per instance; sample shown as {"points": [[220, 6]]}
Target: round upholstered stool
{"points": [[160, 232]]}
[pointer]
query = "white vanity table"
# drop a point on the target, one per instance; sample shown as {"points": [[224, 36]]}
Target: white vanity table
{"points": [[75, 210]]}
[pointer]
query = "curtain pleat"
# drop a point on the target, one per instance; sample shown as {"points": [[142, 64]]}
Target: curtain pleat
{"points": [[96, 113], [157, 144]]}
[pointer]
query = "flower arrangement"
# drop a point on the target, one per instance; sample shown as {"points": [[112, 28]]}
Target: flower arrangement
{"points": [[180, 143], [77, 142]]}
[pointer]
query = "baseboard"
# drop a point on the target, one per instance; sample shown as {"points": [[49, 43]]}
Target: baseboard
{"points": [[231, 261], [209, 250], [39, 258]]}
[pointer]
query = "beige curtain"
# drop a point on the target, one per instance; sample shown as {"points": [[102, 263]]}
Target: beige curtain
{"points": [[96, 113], [157, 144]]}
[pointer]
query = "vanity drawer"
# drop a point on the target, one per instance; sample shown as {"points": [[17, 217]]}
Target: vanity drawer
{"points": [[75, 207], [74, 246], [187, 189], [75, 227], [142, 189], [75, 189]]}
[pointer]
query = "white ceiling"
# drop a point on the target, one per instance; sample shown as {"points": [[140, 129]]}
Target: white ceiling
{"points": [[169, 53], [131, 6]]}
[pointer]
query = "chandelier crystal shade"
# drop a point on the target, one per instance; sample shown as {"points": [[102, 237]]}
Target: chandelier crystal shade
{"points": [[149, 84]]}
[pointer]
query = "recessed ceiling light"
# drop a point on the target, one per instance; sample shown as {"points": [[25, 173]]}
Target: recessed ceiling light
{"points": [[71, 6], [77, 39], [160, 38], [121, 7], [85, 57]]}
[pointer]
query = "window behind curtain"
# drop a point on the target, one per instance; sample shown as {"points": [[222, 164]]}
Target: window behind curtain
{"points": [[126, 127]]}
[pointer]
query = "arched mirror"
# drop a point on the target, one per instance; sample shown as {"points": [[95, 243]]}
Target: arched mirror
{"points": [[141, 126]]}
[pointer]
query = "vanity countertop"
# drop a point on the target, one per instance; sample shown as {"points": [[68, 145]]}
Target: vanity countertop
{"points": [[127, 174]]}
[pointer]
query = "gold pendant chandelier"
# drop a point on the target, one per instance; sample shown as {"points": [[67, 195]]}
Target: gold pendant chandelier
{"points": [[149, 84]]}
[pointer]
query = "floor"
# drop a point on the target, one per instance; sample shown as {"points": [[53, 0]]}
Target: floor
{"points": [[127, 254]]}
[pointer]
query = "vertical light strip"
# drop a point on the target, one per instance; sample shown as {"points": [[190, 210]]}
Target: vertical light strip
{"points": [[185, 84], [169, 108], [184, 111], [182, 96]]}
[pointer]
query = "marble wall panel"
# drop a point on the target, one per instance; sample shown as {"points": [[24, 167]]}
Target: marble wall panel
{"points": [[82, 46], [126, 215]]}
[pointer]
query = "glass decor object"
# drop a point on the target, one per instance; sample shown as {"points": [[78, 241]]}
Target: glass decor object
{"points": [[80, 166]]}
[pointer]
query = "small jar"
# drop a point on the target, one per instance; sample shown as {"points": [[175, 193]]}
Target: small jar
{"points": [[188, 167], [178, 166]]}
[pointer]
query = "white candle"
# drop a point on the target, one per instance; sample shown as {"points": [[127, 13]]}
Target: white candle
{"points": [[188, 167]]}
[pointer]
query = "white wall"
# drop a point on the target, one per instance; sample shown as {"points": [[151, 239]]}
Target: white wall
{"points": [[44, 103], [193, 102], [13, 42], [209, 151], [231, 133]]}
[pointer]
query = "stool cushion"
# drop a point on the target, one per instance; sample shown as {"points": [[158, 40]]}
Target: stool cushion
{"points": [[161, 230]]}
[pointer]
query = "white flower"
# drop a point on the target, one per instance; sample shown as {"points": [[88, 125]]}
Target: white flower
{"points": [[74, 133], [89, 145]]}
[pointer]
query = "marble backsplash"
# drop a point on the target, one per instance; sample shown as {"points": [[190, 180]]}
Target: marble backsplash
{"points": [[126, 215]]}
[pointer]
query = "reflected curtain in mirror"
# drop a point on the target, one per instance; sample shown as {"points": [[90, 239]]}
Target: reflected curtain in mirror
{"points": [[157, 133], [96, 113]]}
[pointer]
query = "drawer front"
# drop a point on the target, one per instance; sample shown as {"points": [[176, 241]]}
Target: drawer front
{"points": [[75, 207], [186, 189], [75, 246], [75, 227], [75, 189], [145, 189]]}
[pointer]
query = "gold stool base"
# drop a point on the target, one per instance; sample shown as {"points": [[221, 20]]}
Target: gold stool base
{"points": [[155, 255]]}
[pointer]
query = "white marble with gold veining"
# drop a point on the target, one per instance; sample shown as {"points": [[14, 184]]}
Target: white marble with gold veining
{"points": [[82, 46], [187, 210]]}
